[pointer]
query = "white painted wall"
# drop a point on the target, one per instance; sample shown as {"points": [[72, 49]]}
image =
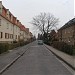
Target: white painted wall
{"points": [[16, 32], [6, 27]]}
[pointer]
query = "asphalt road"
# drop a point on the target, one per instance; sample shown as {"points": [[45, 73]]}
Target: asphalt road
{"points": [[37, 60]]}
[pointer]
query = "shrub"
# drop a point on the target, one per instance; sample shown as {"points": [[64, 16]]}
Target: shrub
{"points": [[14, 45], [14, 41], [63, 47], [4, 47], [21, 43], [74, 50]]}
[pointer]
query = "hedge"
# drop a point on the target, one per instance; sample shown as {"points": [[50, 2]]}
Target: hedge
{"points": [[5, 46], [64, 47], [13, 45]]}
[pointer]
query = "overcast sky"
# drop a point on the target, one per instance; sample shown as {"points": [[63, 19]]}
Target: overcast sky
{"points": [[24, 10]]}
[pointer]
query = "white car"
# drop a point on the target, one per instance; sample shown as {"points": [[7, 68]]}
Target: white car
{"points": [[40, 42]]}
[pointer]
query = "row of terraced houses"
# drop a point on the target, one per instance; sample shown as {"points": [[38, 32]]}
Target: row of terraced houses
{"points": [[67, 32], [11, 28]]}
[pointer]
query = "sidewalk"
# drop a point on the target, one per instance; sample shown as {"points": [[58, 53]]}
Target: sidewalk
{"points": [[67, 58]]}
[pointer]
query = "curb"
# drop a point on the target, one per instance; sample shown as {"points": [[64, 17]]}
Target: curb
{"points": [[11, 63], [61, 58]]}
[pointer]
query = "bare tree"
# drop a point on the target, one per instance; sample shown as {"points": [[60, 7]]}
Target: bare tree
{"points": [[45, 22]]}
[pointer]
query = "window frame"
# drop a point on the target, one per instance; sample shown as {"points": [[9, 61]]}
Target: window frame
{"points": [[0, 22], [1, 35]]}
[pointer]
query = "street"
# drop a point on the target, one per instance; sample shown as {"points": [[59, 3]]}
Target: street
{"points": [[37, 60]]}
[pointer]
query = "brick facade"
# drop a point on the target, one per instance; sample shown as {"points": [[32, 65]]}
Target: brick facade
{"points": [[67, 32]]}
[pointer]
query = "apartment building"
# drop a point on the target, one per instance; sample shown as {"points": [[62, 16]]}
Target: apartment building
{"points": [[16, 29], [31, 36], [22, 31], [11, 28], [67, 32], [27, 34], [6, 25]]}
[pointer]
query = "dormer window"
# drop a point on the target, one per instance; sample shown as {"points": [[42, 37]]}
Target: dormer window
{"points": [[0, 10], [7, 15]]}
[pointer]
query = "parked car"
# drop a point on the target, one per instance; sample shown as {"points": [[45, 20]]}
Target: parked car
{"points": [[40, 42]]}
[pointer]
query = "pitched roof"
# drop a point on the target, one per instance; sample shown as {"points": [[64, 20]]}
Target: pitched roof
{"points": [[68, 24], [22, 27]]}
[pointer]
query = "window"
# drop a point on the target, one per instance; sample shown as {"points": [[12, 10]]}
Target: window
{"points": [[6, 35], [1, 34], [7, 15], [0, 8], [16, 36], [11, 17], [7, 25], [11, 36], [0, 22]]}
